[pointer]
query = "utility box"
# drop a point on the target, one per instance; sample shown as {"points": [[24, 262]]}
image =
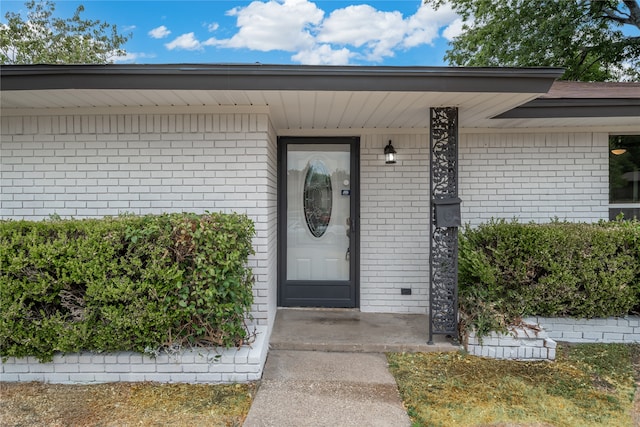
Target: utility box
{"points": [[448, 212]]}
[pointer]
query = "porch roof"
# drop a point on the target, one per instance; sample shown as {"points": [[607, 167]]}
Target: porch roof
{"points": [[296, 97], [582, 100]]}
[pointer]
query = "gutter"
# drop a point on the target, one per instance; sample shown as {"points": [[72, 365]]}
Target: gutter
{"points": [[277, 77]]}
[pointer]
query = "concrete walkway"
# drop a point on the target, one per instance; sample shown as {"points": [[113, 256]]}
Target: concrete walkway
{"points": [[310, 388], [328, 368]]}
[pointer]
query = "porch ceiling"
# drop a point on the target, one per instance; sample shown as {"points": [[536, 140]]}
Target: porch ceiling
{"points": [[289, 109], [296, 97]]}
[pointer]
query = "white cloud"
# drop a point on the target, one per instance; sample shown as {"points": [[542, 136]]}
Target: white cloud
{"points": [[424, 25], [273, 25], [453, 30], [381, 33], [357, 25], [186, 41], [323, 55], [159, 32], [363, 25], [359, 32]]}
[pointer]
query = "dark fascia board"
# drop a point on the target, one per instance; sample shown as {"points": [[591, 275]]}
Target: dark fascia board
{"points": [[572, 107], [277, 77]]}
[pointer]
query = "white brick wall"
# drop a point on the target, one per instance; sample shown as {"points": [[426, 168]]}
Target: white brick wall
{"points": [[190, 366], [504, 175], [610, 330], [97, 165], [519, 344], [527, 344], [394, 224], [270, 292], [534, 176], [88, 166]]}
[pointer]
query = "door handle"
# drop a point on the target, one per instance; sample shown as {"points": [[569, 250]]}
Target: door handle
{"points": [[351, 226]]}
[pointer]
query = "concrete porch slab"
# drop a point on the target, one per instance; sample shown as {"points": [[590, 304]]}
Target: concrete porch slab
{"points": [[340, 330]]}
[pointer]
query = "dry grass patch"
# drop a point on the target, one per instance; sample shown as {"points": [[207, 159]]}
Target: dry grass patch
{"points": [[124, 404], [589, 385]]}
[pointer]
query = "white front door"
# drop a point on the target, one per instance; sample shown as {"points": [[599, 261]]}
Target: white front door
{"points": [[318, 265]]}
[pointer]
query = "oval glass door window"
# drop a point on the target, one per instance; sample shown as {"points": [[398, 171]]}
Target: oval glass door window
{"points": [[317, 198]]}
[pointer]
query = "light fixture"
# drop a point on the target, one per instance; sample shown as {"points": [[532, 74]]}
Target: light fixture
{"points": [[389, 154], [617, 145]]}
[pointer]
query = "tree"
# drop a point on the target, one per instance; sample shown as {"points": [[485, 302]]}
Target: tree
{"points": [[42, 38], [583, 36]]}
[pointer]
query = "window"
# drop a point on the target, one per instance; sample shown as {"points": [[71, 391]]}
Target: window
{"points": [[624, 176], [317, 198]]}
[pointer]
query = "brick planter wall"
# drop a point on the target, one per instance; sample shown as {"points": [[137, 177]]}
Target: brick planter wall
{"points": [[521, 344], [190, 366], [610, 330], [527, 344]]}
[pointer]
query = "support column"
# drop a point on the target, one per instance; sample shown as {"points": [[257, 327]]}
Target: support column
{"points": [[445, 220]]}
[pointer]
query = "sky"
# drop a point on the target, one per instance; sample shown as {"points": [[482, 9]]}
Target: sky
{"points": [[368, 32]]}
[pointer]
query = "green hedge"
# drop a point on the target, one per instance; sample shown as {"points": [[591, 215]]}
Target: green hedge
{"points": [[508, 270], [134, 283]]}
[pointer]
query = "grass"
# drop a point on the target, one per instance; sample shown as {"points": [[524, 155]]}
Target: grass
{"points": [[124, 404], [588, 385]]}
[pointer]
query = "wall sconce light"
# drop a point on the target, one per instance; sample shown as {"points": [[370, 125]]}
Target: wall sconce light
{"points": [[389, 154], [617, 145]]}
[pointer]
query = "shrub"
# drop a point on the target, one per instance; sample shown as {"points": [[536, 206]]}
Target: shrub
{"points": [[508, 270], [126, 283]]}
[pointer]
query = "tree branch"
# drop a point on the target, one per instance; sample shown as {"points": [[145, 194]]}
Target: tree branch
{"points": [[625, 42], [614, 14], [628, 40], [634, 12]]}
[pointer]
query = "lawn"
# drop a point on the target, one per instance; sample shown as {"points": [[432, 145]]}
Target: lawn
{"points": [[588, 385], [124, 404]]}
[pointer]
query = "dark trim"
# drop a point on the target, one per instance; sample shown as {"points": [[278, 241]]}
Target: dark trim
{"points": [[281, 218], [585, 107], [631, 212], [354, 271], [277, 77]]}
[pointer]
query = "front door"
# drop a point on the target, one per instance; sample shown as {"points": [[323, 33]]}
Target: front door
{"points": [[318, 221]]}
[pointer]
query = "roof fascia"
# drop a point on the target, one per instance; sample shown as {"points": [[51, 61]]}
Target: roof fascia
{"points": [[566, 108], [280, 77]]}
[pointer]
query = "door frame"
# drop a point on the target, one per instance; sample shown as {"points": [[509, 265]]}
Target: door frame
{"points": [[354, 267]]}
